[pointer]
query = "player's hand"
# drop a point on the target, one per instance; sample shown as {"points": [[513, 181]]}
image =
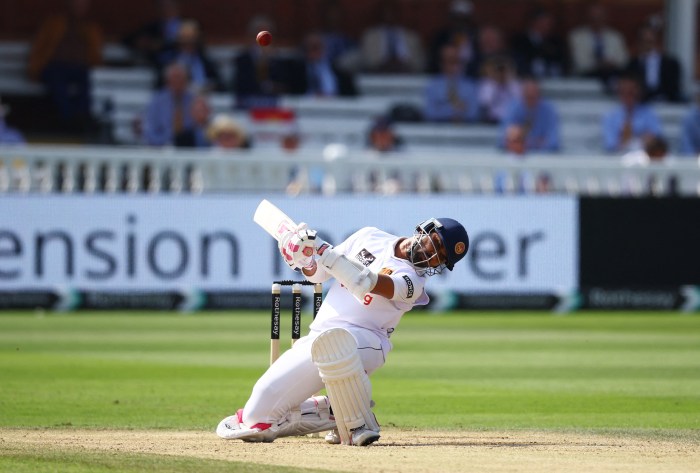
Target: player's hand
{"points": [[321, 246], [284, 239], [307, 237], [290, 230], [297, 248]]}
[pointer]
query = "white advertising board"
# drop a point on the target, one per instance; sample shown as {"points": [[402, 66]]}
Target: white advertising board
{"points": [[518, 244]]}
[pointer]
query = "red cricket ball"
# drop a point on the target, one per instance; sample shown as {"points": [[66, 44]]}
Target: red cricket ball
{"points": [[264, 38]]}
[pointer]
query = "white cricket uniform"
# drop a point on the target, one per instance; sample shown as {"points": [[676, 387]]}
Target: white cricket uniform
{"points": [[294, 376]]}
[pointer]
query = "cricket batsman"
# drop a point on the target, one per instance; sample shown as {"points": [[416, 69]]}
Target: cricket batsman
{"points": [[378, 278]]}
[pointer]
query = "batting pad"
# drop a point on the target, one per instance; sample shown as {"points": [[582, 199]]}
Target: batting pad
{"points": [[335, 354]]}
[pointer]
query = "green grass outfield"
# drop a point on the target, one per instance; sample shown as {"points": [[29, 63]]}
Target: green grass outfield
{"points": [[637, 373]]}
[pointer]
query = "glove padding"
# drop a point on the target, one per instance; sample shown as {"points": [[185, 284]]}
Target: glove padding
{"points": [[327, 254], [363, 283], [297, 247], [356, 278]]}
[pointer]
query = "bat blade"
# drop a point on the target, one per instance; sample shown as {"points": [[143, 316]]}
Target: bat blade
{"points": [[272, 219]]}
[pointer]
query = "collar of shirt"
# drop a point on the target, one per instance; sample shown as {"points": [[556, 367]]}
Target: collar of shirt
{"points": [[652, 63], [324, 74], [171, 27]]}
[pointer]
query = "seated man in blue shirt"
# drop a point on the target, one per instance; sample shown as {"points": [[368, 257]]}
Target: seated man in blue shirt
{"points": [[538, 118], [451, 96], [314, 74], [190, 51], [630, 122], [196, 135], [170, 110]]}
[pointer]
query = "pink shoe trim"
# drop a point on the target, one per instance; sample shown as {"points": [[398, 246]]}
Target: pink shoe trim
{"points": [[259, 425]]}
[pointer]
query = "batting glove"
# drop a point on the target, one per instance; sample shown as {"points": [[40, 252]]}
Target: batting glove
{"points": [[297, 248]]}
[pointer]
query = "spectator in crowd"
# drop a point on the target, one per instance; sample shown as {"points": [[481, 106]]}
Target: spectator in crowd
{"points": [[316, 75], [539, 51], [382, 139], [690, 130], [460, 31], [341, 49], [514, 140], [195, 136], [170, 110], [290, 138], [654, 149], [66, 48], [300, 177], [8, 135], [451, 96], [630, 121], [382, 136], [543, 183], [498, 88], [596, 49], [147, 41], [492, 45], [189, 50], [660, 72], [226, 133], [390, 47], [537, 117], [260, 77], [516, 147]]}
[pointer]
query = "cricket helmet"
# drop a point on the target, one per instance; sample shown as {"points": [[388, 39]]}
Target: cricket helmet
{"points": [[453, 235]]}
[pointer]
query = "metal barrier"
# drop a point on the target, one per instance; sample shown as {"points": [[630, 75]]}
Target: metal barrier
{"points": [[331, 169]]}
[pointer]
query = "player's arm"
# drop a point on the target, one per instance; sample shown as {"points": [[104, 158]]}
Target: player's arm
{"points": [[384, 286], [316, 273], [333, 263], [355, 277]]}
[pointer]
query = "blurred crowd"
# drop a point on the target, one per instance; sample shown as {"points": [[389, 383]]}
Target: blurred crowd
{"points": [[478, 74]]}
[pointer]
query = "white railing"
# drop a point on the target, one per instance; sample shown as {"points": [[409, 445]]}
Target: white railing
{"points": [[331, 169]]}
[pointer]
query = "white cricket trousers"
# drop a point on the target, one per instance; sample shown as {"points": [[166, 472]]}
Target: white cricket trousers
{"points": [[293, 378]]}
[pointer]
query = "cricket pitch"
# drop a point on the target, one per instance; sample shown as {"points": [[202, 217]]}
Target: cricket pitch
{"points": [[398, 450]]}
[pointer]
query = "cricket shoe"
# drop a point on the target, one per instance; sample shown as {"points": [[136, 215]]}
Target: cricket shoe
{"points": [[333, 437], [362, 436], [232, 427]]}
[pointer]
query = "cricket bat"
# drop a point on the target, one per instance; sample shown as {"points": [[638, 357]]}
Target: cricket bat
{"points": [[272, 219], [276, 223]]}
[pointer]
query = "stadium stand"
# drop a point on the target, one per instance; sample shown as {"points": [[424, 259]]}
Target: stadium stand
{"points": [[580, 102], [13, 65], [120, 95], [333, 135]]}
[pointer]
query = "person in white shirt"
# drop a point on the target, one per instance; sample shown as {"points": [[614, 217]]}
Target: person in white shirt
{"points": [[379, 277], [498, 89], [388, 46], [654, 153], [597, 50]]}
